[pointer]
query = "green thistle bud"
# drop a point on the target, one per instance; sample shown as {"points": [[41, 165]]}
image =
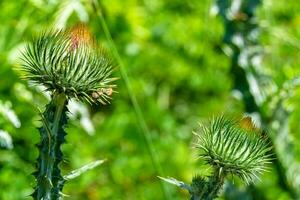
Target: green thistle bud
{"points": [[234, 147], [69, 62]]}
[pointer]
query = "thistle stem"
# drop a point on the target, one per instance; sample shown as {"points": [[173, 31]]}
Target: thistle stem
{"points": [[215, 184], [212, 187], [52, 137]]}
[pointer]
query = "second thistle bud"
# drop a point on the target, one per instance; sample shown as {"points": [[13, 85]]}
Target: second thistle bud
{"points": [[234, 147]]}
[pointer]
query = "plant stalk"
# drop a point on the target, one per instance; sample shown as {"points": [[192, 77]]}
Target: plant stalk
{"points": [[210, 189], [52, 135]]}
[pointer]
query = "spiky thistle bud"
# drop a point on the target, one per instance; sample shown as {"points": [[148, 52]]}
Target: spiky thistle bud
{"points": [[70, 62], [234, 147]]}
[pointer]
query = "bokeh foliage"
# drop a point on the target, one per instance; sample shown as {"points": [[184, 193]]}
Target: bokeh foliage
{"points": [[173, 51]]}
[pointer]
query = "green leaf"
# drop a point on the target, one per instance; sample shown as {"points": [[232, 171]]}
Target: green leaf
{"points": [[77, 172], [174, 181]]}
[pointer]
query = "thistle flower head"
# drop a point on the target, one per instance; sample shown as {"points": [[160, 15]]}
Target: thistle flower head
{"points": [[234, 147], [70, 62]]}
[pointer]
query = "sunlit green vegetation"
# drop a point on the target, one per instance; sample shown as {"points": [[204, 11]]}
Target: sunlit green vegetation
{"points": [[179, 69]]}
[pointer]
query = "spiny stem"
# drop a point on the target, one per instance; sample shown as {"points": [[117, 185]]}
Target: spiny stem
{"points": [[52, 137], [208, 190], [216, 182]]}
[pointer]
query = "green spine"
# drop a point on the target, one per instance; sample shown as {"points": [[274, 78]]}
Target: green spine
{"points": [[52, 134]]}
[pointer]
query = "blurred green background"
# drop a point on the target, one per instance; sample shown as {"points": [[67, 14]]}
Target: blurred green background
{"points": [[175, 57]]}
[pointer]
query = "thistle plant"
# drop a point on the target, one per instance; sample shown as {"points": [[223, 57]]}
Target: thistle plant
{"points": [[69, 65], [231, 148]]}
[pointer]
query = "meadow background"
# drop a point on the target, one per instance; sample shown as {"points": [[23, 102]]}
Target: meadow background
{"points": [[175, 57]]}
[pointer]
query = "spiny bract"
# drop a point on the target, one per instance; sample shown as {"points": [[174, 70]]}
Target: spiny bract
{"points": [[231, 147], [69, 62]]}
